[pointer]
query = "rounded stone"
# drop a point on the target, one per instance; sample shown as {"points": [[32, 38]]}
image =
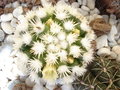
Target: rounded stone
{"points": [[2, 35], [7, 28], [6, 17], [116, 49]]}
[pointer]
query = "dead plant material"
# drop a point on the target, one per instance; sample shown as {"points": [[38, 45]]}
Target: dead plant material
{"points": [[100, 26], [22, 86]]}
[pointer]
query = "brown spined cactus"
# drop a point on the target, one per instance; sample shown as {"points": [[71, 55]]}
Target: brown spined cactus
{"points": [[103, 74]]}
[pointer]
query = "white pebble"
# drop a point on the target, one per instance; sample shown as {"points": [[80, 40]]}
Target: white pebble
{"points": [[113, 32], [14, 22], [118, 58], [6, 17], [83, 12], [79, 1], [91, 4], [18, 11], [118, 27], [84, 2], [9, 39], [38, 87], [67, 87], [102, 41], [85, 8], [75, 4], [23, 78], [113, 55], [116, 49], [2, 35], [15, 4], [29, 82], [111, 44], [118, 41], [50, 87], [103, 51], [8, 5], [7, 28], [106, 17]]}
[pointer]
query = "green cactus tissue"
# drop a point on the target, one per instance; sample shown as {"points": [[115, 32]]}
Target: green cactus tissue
{"points": [[53, 43]]}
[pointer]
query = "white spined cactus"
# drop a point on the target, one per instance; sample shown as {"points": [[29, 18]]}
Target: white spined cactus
{"points": [[56, 43]]}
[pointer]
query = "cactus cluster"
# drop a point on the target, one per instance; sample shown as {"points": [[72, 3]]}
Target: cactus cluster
{"points": [[53, 42], [103, 74]]}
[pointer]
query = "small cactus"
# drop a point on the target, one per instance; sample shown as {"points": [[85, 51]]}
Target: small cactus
{"points": [[104, 74]]}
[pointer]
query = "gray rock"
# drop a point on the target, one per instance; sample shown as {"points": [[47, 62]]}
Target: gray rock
{"points": [[2, 35], [102, 41], [106, 17]]}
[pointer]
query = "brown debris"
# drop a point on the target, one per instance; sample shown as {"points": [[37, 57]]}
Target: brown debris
{"points": [[93, 44], [1, 11], [8, 10], [100, 26], [21, 86]]}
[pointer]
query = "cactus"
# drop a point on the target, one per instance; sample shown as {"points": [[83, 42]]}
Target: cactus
{"points": [[104, 74]]}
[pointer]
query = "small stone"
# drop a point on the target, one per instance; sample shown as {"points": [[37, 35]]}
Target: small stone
{"points": [[113, 55], [7, 28], [84, 2], [83, 12], [106, 17], [75, 4], [14, 22], [6, 17], [2, 35], [118, 27], [103, 51], [8, 5], [91, 4], [15, 4], [118, 58], [118, 41], [112, 44], [9, 39], [67, 87], [29, 83], [18, 11], [113, 32], [116, 49], [113, 21], [85, 8], [102, 41], [79, 1], [38, 87], [23, 78], [96, 11]]}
